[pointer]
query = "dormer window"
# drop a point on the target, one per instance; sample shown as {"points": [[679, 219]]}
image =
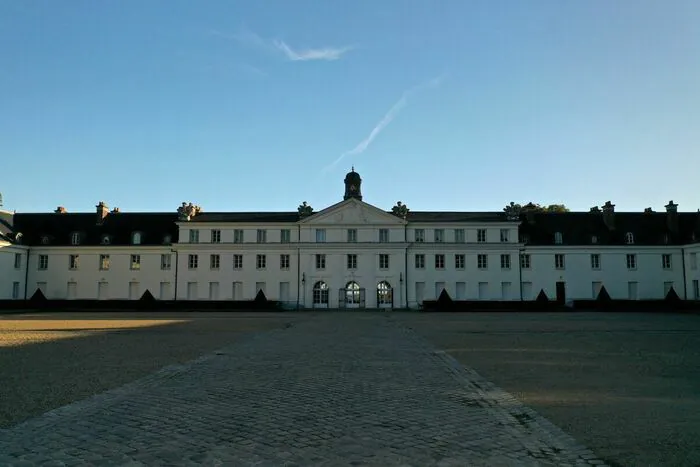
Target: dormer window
{"points": [[594, 239], [629, 238], [105, 240], [45, 240], [665, 239], [167, 239], [558, 238], [136, 238], [18, 238], [524, 238], [75, 238]]}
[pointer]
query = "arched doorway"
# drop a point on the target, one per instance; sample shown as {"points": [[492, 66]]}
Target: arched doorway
{"points": [[320, 295], [385, 296], [353, 296]]}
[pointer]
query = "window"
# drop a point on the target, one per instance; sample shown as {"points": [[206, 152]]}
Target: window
{"points": [[525, 261], [167, 239], [237, 261], [105, 240], [666, 261], [43, 261], [44, 240], [136, 238], [352, 293], [595, 261], [193, 261], [194, 236], [214, 261], [558, 238], [352, 261], [320, 293], [594, 239], [75, 238], [284, 261], [693, 261], [504, 235], [238, 236], [261, 261], [383, 261], [285, 236], [523, 238], [440, 261], [439, 235], [135, 262], [481, 235], [419, 235], [262, 236], [420, 261], [459, 261], [320, 261], [73, 262], [104, 262], [482, 261], [216, 236], [505, 261], [459, 236], [352, 235], [18, 260], [629, 238], [165, 262], [559, 261], [631, 261], [15, 290], [384, 295], [383, 235], [666, 239]]}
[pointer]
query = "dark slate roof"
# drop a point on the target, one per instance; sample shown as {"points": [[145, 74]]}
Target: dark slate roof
{"points": [[454, 216], [578, 228], [247, 217], [59, 227]]}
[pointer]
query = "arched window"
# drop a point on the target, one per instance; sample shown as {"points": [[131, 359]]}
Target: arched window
{"points": [[320, 293], [629, 238], [558, 238], [594, 239], [45, 240], [384, 294], [352, 293], [167, 239], [75, 238], [18, 238], [105, 240], [136, 238]]}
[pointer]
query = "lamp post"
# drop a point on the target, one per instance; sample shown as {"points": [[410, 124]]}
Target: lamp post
{"points": [[303, 287], [400, 288]]}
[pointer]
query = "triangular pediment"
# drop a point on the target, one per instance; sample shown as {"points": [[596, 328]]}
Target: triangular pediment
{"points": [[352, 211]]}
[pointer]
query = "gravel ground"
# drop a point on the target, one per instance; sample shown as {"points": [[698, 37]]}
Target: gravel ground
{"points": [[51, 359], [627, 385]]}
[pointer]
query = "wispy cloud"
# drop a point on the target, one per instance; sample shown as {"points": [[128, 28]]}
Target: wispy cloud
{"points": [[279, 47], [387, 119], [325, 53]]}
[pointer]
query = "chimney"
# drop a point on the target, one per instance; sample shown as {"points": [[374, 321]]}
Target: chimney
{"points": [[61, 210], [102, 211], [672, 217], [594, 209], [116, 211], [609, 215], [648, 211]]}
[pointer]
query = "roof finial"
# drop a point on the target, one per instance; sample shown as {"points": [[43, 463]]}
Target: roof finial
{"points": [[352, 168]]}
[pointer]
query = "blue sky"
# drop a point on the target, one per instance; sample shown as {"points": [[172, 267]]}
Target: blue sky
{"points": [[450, 105]]}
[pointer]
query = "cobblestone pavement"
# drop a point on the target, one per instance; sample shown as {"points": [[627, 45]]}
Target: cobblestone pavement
{"points": [[338, 389]]}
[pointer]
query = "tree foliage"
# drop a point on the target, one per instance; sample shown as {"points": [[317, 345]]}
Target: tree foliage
{"points": [[530, 207]]}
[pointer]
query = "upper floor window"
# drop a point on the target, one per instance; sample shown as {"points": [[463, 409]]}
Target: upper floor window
{"points": [[505, 235], [352, 235], [43, 261], [321, 261], [383, 235], [666, 261], [104, 262], [73, 262], [238, 236], [165, 262], [193, 261], [284, 261], [237, 261], [629, 238], [459, 261], [459, 236], [135, 262], [482, 261], [481, 235], [419, 235], [214, 261], [383, 261], [595, 261], [261, 261], [285, 236], [18, 260], [559, 261], [558, 238], [631, 261], [420, 261], [75, 238], [525, 261], [505, 261], [320, 235], [216, 236], [262, 236], [440, 261], [439, 235], [352, 261], [194, 236]]}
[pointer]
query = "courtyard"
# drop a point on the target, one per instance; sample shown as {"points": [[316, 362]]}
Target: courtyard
{"points": [[367, 388]]}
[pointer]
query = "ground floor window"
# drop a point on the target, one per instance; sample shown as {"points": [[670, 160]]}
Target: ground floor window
{"points": [[352, 293], [320, 293], [384, 293]]}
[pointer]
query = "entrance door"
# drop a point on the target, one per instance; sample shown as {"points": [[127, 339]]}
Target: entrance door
{"points": [[165, 291], [133, 290], [351, 295], [632, 290], [527, 290], [284, 292], [420, 293], [461, 291], [192, 291], [103, 290], [72, 292], [385, 295], [213, 291], [561, 292], [505, 290], [237, 291], [320, 295]]}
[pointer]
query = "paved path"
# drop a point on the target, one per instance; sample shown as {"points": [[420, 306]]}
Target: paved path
{"points": [[338, 389]]}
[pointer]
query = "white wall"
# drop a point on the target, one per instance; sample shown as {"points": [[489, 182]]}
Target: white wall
{"points": [[692, 266], [12, 279]]}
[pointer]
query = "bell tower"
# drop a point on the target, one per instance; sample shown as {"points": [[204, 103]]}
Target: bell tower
{"points": [[353, 186]]}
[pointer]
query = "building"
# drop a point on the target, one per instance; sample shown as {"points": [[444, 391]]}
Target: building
{"points": [[350, 255]]}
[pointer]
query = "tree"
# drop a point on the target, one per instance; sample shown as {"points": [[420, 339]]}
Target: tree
{"points": [[530, 207]]}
